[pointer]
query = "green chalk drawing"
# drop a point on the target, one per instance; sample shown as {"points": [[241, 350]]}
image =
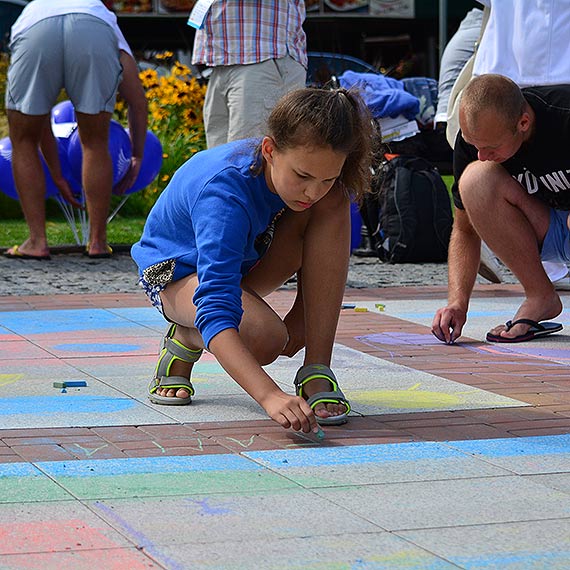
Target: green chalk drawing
{"points": [[243, 443], [170, 484], [91, 451], [159, 446]]}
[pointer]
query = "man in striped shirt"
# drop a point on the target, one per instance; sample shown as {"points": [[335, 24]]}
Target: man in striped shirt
{"points": [[257, 51]]}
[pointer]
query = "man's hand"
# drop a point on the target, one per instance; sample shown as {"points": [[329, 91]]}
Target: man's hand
{"points": [[129, 178], [448, 323], [67, 192]]}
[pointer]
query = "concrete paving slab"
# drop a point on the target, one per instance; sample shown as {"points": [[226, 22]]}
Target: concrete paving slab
{"points": [[455, 502], [371, 551], [376, 386], [512, 546], [211, 518], [373, 464], [558, 481]]}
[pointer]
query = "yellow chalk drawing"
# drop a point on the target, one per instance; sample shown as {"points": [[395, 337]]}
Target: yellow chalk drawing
{"points": [[411, 398], [6, 379]]}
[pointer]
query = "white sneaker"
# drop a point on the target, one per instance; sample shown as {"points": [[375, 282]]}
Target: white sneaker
{"points": [[489, 266]]}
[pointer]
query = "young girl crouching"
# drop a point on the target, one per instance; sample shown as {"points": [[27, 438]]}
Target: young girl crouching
{"points": [[234, 224]]}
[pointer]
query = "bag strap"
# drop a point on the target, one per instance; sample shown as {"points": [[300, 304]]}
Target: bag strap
{"points": [[462, 80]]}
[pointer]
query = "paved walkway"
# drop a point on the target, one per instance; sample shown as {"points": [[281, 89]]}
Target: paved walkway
{"points": [[455, 456]]}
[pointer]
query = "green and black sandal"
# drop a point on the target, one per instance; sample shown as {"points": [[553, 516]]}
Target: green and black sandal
{"points": [[172, 350], [335, 396]]}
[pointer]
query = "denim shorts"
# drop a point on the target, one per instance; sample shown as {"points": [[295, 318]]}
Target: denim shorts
{"points": [[556, 245]]}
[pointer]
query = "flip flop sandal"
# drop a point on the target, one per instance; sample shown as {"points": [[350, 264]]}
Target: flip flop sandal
{"points": [[536, 330], [17, 254], [171, 351], [335, 396], [105, 255]]}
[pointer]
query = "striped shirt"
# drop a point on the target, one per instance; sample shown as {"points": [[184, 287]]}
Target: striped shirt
{"points": [[238, 32]]}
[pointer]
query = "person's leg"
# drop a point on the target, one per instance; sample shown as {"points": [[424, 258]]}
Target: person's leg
{"points": [[96, 175], [216, 115], [261, 329], [25, 135], [514, 225], [318, 243]]}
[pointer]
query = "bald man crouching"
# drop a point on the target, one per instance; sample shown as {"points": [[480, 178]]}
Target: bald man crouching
{"points": [[512, 190]]}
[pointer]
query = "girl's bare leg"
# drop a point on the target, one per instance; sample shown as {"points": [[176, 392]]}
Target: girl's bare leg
{"points": [[261, 329], [318, 243]]}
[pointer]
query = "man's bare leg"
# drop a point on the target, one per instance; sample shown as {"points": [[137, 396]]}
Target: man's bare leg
{"points": [[25, 135], [97, 176], [514, 225]]}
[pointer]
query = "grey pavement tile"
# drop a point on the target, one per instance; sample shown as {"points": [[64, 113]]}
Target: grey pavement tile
{"points": [[456, 502], [110, 559], [522, 455], [54, 527], [375, 386], [234, 517], [558, 481], [537, 545], [345, 551], [373, 464], [24, 483]]}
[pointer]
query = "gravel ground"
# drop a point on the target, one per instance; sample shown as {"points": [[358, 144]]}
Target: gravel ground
{"points": [[73, 273]]}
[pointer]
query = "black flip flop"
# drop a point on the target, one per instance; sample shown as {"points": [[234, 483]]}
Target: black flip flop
{"points": [[537, 330]]}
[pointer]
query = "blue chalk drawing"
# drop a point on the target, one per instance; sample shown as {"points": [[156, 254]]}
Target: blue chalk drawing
{"points": [[516, 446], [68, 320], [63, 404], [353, 455], [97, 347], [147, 465], [19, 470]]}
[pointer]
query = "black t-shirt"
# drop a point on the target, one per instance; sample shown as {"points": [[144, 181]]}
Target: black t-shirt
{"points": [[542, 164]]}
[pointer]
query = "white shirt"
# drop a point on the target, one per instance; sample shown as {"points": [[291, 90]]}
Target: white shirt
{"points": [[526, 40], [38, 10]]}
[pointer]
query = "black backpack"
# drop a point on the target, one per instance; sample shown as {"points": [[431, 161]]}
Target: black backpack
{"points": [[408, 213]]}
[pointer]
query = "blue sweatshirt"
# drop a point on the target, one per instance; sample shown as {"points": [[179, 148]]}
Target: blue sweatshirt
{"points": [[207, 221]]}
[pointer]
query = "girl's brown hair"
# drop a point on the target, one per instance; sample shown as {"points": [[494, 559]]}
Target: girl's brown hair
{"points": [[338, 119]]}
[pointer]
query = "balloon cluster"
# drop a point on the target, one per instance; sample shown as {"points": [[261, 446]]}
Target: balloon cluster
{"points": [[71, 156]]}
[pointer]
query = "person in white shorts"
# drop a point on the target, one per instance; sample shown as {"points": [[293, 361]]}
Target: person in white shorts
{"points": [[76, 45]]}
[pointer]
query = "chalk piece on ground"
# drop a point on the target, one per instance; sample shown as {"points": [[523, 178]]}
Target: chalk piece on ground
{"points": [[71, 384], [361, 309]]}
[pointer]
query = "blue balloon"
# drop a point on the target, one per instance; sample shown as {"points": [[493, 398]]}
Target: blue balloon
{"points": [[151, 163], [119, 149], [63, 112], [7, 184]]}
